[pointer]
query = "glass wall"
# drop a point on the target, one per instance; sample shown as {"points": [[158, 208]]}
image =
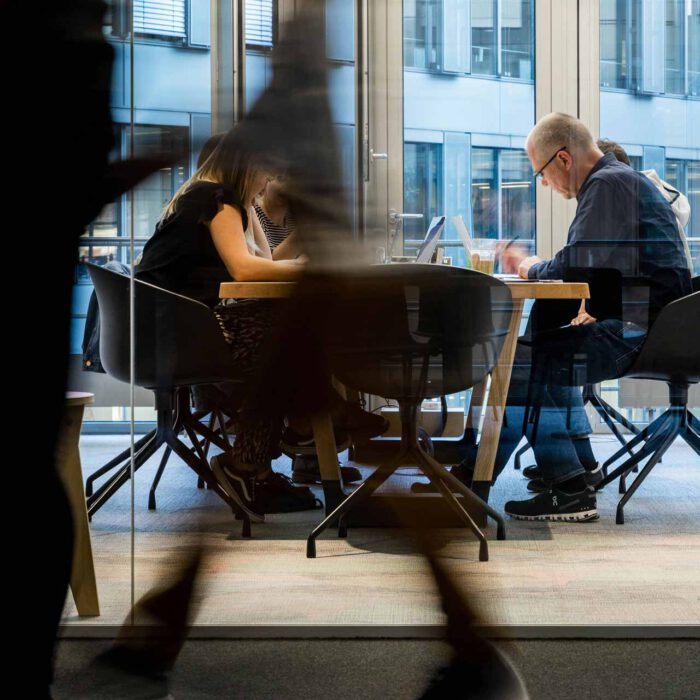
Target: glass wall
{"points": [[469, 102], [649, 99]]}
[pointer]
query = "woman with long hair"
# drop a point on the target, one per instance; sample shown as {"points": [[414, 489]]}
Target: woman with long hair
{"points": [[206, 236]]}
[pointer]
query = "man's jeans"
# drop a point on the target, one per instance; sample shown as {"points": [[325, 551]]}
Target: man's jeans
{"points": [[599, 351]]}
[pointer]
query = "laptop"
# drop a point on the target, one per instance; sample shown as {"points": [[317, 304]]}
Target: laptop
{"points": [[432, 236]]}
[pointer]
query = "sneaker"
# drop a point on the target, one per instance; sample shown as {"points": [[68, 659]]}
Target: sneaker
{"points": [[277, 494], [463, 472], [305, 470], [538, 485], [556, 505], [294, 443], [239, 484]]}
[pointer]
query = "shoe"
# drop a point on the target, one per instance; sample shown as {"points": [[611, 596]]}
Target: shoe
{"points": [[239, 484], [277, 494], [360, 424], [294, 443], [305, 470], [537, 484], [556, 505], [463, 472]]}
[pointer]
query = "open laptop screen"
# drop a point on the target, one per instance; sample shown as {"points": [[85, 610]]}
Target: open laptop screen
{"points": [[427, 247]]}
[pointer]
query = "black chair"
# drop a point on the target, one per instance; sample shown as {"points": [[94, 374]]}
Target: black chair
{"points": [[177, 345], [408, 332], [669, 354]]}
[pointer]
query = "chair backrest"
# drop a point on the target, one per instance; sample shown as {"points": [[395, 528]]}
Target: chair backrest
{"points": [[670, 352], [414, 331], [177, 341]]}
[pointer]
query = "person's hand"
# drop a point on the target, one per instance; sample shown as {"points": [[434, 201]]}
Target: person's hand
{"points": [[511, 256], [526, 264], [583, 319]]}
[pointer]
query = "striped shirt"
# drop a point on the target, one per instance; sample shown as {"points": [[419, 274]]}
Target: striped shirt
{"points": [[275, 234]]}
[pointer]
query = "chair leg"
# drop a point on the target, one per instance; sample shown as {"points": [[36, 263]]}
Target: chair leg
{"points": [[106, 491], [359, 495], [456, 506], [693, 423], [519, 454], [691, 438], [670, 436], [454, 483], [651, 444], [156, 479], [195, 464], [113, 463], [636, 440]]}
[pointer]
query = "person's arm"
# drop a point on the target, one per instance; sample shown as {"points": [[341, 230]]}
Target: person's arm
{"points": [[229, 239], [287, 249]]}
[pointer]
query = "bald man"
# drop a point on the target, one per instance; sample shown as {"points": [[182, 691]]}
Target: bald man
{"points": [[623, 232]]}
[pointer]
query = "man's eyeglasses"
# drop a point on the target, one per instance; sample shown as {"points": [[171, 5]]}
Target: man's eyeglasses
{"points": [[539, 174]]}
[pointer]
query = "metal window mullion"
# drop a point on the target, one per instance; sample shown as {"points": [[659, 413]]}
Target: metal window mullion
{"points": [[498, 21]]}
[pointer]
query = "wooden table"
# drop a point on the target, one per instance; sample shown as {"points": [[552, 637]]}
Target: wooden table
{"points": [[500, 378], [83, 584]]}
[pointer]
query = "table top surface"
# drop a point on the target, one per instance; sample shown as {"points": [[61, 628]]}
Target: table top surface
{"points": [[519, 290]]}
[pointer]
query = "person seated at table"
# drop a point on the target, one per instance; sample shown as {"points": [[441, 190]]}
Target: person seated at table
{"points": [[273, 228], [205, 237], [621, 223], [272, 209]]}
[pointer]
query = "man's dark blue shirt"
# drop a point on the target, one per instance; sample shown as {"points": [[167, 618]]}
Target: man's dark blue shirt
{"points": [[623, 223]]}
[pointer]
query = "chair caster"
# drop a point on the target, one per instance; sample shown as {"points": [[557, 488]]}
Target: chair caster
{"points": [[200, 483], [310, 549], [151, 501], [620, 518], [245, 530], [483, 551], [501, 532]]}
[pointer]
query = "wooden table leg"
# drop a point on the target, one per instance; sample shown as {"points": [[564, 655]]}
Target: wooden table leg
{"points": [[327, 453], [82, 581], [493, 419]]}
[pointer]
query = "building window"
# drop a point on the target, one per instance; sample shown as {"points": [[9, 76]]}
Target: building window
{"points": [[517, 24], [503, 194], [422, 190], [650, 46], [693, 229], [259, 23], [160, 18], [423, 34]]}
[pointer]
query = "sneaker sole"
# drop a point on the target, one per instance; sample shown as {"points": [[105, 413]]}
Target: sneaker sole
{"points": [[233, 494], [308, 450], [582, 517]]}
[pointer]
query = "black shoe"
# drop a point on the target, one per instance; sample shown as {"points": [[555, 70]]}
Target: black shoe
{"points": [[277, 494], [360, 424], [305, 470], [556, 505], [463, 472], [294, 443], [239, 484], [537, 484]]}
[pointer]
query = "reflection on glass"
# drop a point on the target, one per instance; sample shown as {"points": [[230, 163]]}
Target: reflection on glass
{"points": [[694, 223], [518, 196], [675, 47]]}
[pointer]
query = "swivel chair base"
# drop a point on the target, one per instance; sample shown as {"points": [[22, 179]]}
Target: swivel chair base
{"points": [[412, 452], [677, 421]]}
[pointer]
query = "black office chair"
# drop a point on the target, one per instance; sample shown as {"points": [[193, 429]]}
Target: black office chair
{"points": [[669, 354], [408, 332], [177, 345]]}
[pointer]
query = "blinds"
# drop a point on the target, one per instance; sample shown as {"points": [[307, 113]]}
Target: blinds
{"points": [[258, 22], [160, 18]]}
